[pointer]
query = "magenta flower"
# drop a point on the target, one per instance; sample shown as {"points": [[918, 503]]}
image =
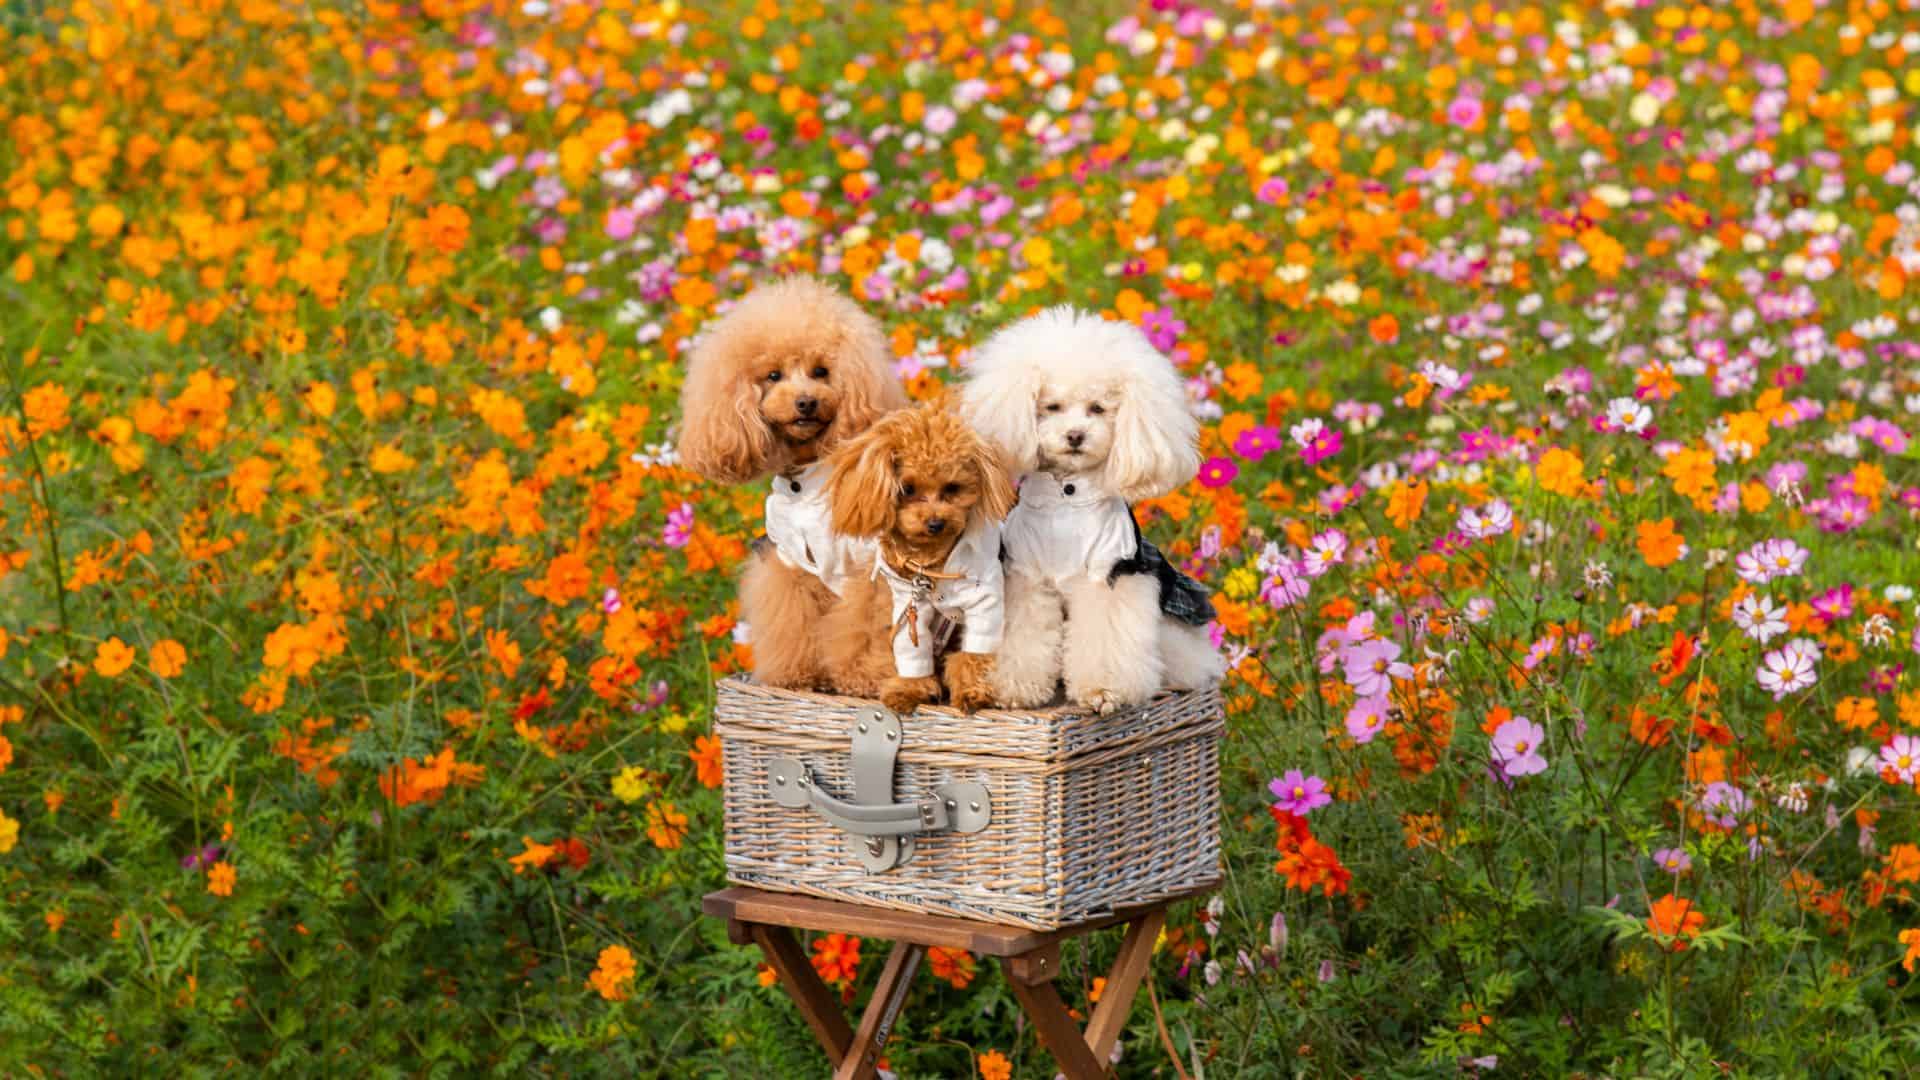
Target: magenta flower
{"points": [[1465, 111], [1299, 795], [620, 222], [1218, 472], [610, 601], [1257, 442], [1163, 328], [679, 526], [201, 859], [1516, 747]]}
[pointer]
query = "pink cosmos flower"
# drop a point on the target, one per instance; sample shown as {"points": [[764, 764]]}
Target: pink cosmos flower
{"points": [[1373, 665], [1465, 111], [1299, 795], [679, 526], [1902, 756], [1367, 717], [1673, 860], [1723, 804], [1516, 747]]}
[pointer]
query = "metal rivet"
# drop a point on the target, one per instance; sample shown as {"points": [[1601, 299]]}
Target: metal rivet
{"points": [[863, 729], [892, 735], [974, 806], [952, 806], [875, 845], [778, 779]]}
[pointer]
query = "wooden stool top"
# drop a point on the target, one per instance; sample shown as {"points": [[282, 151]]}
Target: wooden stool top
{"points": [[793, 910]]}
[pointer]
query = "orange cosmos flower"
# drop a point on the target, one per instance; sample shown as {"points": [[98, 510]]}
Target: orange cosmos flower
{"points": [[836, 958], [112, 657], [1675, 919], [220, 879], [615, 969], [1659, 544], [954, 965]]}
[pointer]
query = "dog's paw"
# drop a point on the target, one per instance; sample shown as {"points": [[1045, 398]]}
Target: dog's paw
{"points": [[1104, 702], [905, 695]]}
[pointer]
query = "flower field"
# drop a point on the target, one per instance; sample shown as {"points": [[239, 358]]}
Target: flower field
{"points": [[1560, 373]]}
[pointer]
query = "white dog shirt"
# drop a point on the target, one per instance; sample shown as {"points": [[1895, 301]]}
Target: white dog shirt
{"points": [[1067, 529], [800, 527], [1071, 529], [969, 588]]}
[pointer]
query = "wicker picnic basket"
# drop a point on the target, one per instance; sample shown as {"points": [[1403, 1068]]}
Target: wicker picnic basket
{"points": [[1038, 819]]}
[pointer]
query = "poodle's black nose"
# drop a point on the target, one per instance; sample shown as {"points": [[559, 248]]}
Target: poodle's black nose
{"points": [[1075, 438], [805, 406], [937, 526]]}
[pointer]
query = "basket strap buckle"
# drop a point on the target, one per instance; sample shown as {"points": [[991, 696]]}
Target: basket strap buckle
{"points": [[880, 830]]}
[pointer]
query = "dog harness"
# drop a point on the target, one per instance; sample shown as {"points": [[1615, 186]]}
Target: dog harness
{"points": [[800, 529], [967, 589], [1069, 529]]}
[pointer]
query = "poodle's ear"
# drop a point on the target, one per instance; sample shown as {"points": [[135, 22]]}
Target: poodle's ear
{"points": [[996, 483], [1156, 440], [864, 489], [722, 436], [869, 389], [998, 398]]}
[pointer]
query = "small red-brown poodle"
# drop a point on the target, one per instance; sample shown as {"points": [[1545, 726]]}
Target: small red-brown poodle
{"points": [[782, 378], [932, 495]]}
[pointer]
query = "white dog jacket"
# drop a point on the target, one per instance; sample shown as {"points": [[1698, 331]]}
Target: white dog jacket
{"points": [[1067, 529], [800, 527], [969, 589]]}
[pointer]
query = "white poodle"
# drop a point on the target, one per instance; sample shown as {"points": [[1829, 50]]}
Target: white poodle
{"points": [[1093, 417]]}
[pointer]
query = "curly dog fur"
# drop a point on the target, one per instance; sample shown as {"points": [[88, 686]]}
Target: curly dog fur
{"points": [[1093, 405], [774, 385], [917, 480]]}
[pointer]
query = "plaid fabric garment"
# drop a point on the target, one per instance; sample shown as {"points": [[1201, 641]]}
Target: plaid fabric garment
{"points": [[1181, 597]]}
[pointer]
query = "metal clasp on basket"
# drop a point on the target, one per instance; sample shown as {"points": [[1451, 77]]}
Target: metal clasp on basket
{"points": [[880, 831]]}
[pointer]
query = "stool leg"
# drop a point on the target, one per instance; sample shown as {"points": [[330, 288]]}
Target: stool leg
{"points": [[1116, 1000], [863, 1058], [1057, 1031], [817, 1004]]}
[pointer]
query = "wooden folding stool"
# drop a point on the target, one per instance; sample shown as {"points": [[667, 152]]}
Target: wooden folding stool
{"points": [[1031, 957]]}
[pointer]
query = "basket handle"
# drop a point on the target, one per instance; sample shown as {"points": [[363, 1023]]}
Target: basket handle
{"points": [[964, 807]]}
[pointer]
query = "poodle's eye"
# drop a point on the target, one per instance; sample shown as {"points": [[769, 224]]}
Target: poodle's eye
{"points": [[774, 375], [907, 490], [820, 373], [950, 490], [1097, 410], [1055, 407]]}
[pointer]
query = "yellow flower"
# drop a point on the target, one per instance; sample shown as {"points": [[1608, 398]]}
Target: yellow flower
{"points": [[630, 784], [9, 833], [113, 657]]}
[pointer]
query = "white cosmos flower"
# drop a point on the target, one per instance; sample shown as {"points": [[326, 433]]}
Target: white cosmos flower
{"points": [[1493, 519], [1759, 618], [1786, 670], [1628, 415]]}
